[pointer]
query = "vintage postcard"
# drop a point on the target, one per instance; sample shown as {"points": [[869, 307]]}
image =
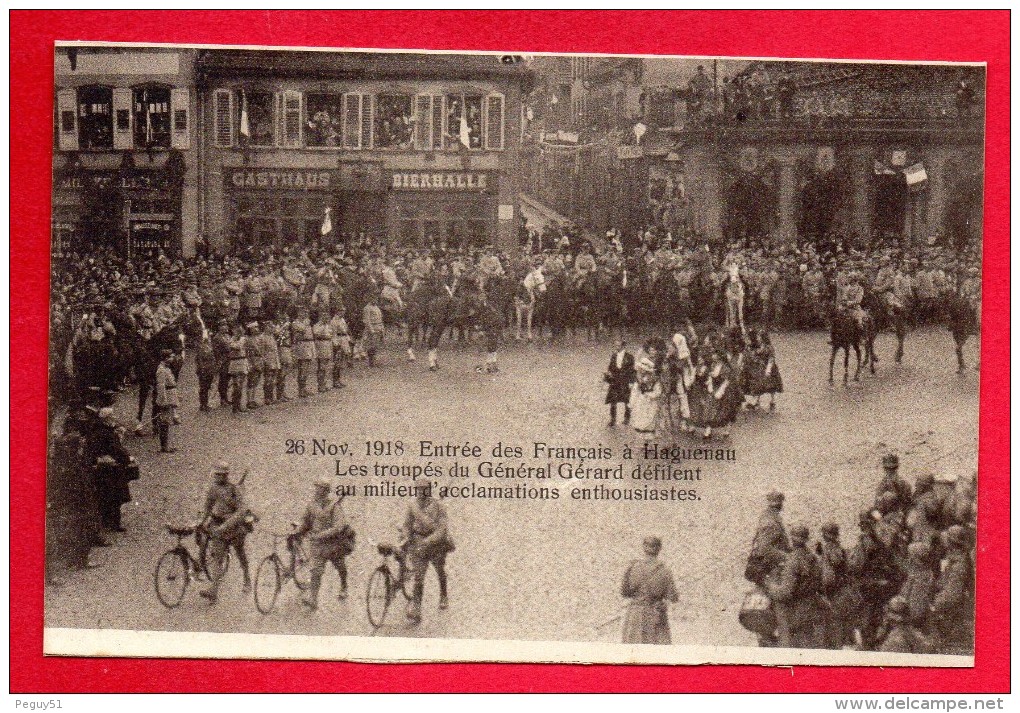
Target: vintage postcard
{"points": [[417, 356]]}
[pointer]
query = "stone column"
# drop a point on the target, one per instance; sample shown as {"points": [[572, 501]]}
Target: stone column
{"points": [[860, 207], [937, 198], [708, 208], [788, 199]]}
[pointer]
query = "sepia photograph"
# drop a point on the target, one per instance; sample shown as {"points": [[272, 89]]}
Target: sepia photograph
{"points": [[405, 355]]}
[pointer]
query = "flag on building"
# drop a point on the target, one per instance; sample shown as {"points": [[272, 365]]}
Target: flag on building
{"points": [[327, 222], [245, 128], [916, 176], [465, 132]]}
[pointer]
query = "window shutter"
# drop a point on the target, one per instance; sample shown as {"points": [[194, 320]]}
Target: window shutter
{"points": [[366, 120], [423, 123], [292, 118], [122, 99], [67, 119], [223, 118], [494, 122], [180, 124], [438, 121], [352, 121]]}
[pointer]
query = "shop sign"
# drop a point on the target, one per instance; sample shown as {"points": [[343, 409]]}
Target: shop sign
{"points": [[98, 180], [150, 235], [268, 179], [439, 181]]}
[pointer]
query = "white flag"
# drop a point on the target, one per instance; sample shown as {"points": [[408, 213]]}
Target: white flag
{"points": [[245, 129], [327, 222]]}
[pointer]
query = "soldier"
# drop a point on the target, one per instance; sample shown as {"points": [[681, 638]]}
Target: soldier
{"points": [[925, 514], [850, 296], [323, 333], [428, 542], [166, 400], [238, 366], [952, 609], [374, 328], [282, 335], [304, 349], [877, 575], [256, 365], [330, 539], [649, 586], [115, 468], [919, 586], [836, 588], [270, 351], [734, 298], [226, 519], [770, 543], [899, 636], [221, 351], [795, 588], [206, 369], [341, 345], [893, 483]]}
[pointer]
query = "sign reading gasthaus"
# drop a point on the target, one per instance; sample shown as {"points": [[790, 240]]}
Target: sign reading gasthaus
{"points": [[261, 178], [439, 181]]}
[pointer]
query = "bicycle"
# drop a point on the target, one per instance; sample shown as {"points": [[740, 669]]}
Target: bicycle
{"points": [[274, 571], [383, 586], [177, 567]]}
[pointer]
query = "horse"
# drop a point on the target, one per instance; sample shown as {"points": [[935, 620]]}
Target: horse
{"points": [[527, 296], [888, 314], [963, 320], [358, 289], [416, 313], [847, 334], [447, 311]]}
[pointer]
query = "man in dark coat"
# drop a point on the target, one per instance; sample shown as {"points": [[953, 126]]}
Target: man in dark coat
{"points": [[620, 375], [114, 468], [952, 609], [893, 483]]}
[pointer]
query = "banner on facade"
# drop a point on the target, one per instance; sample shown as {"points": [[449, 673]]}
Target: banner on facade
{"points": [[916, 176], [439, 181], [148, 237]]}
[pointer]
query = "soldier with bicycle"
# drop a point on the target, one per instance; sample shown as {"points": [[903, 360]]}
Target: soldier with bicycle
{"points": [[228, 521], [428, 542], [330, 539]]}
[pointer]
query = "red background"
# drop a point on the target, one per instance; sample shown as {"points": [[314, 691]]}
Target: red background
{"points": [[903, 35]]}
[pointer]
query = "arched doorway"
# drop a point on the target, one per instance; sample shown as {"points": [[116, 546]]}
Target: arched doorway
{"points": [[890, 204], [751, 208]]}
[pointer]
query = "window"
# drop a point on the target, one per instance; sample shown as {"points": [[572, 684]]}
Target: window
{"points": [[494, 122], [423, 122], [260, 119], [393, 121], [437, 122], [223, 118], [95, 117], [152, 116], [180, 104], [325, 120], [463, 121]]}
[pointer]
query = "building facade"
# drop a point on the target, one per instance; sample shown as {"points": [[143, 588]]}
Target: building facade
{"points": [[310, 148], [786, 151], [124, 160]]}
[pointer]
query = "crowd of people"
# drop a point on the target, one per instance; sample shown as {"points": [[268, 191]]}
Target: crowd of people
{"points": [[906, 586]]}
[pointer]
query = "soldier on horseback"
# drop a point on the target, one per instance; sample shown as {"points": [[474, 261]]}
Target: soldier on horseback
{"points": [[850, 296]]}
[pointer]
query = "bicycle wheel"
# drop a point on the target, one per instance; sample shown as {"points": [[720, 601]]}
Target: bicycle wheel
{"points": [[213, 570], [171, 578], [301, 568], [267, 584], [378, 595]]}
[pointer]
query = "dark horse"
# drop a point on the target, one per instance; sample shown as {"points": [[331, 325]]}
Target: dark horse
{"points": [[446, 311], [887, 315], [846, 334], [963, 320]]}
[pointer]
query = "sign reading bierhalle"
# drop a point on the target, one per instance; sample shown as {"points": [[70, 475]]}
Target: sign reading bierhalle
{"points": [[439, 181]]}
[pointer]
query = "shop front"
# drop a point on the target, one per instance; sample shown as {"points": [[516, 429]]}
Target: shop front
{"points": [[131, 211], [443, 209], [270, 207]]}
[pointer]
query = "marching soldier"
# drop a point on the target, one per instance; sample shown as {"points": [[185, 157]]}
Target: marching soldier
{"points": [[374, 328], [304, 349], [428, 542], [323, 333], [206, 369], [795, 589], [283, 336], [649, 586], [166, 400], [221, 351], [770, 543], [330, 538], [892, 482], [256, 365], [238, 366], [270, 351], [225, 518]]}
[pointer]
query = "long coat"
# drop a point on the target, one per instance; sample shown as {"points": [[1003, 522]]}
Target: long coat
{"points": [[620, 379], [649, 585]]}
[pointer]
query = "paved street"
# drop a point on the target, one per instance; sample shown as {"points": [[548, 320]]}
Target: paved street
{"points": [[534, 569]]}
